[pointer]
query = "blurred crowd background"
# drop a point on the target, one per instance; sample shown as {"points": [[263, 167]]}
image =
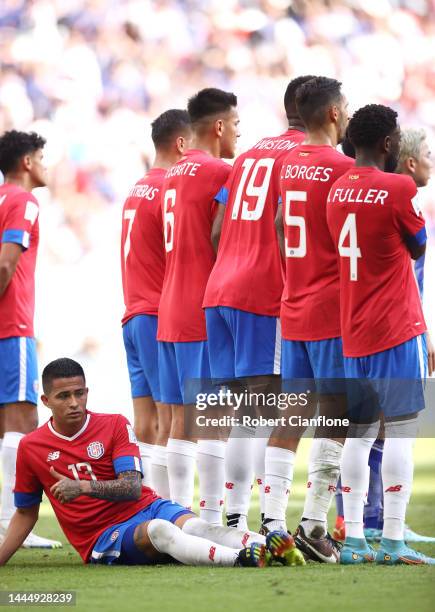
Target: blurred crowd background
{"points": [[90, 75]]}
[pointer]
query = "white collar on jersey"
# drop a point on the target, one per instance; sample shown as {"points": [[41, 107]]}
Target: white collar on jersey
{"points": [[53, 431]]}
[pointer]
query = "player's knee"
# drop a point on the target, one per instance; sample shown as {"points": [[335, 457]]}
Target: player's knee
{"points": [[161, 533]]}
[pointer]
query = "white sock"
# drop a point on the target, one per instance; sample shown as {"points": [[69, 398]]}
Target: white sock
{"points": [[239, 472], [260, 444], [211, 471], [9, 459], [355, 475], [188, 549], [181, 458], [323, 473], [277, 484], [159, 471], [234, 538], [146, 450], [397, 476]]}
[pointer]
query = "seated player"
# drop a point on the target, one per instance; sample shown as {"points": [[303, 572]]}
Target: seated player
{"points": [[89, 467], [377, 227]]}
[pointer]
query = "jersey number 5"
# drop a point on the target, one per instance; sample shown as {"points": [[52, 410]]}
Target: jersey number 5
{"points": [[296, 221]]}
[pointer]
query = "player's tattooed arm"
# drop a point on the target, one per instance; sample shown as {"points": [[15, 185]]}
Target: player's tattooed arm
{"points": [[128, 486]]}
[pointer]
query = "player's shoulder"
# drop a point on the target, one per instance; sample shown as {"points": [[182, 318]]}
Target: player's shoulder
{"points": [[397, 184], [34, 437], [15, 194], [106, 418]]}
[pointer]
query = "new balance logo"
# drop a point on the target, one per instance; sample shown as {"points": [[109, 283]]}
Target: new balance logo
{"points": [[229, 485], [212, 553], [394, 489], [53, 456]]}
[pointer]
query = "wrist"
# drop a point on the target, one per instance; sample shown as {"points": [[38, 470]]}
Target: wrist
{"points": [[85, 487]]}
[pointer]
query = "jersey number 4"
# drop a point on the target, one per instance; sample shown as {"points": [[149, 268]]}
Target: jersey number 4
{"points": [[352, 251]]}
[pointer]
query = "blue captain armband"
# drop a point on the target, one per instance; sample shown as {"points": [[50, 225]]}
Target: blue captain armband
{"points": [[127, 464], [26, 500], [222, 195], [17, 236]]}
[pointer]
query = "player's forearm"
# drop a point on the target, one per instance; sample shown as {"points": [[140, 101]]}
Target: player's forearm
{"points": [[20, 526], [127, 487]]}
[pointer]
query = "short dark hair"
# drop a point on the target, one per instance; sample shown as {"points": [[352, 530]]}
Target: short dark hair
{"points": [[347, 147], [167, 125], [60, 368], [209, 102], [370, 124], [290, 94], [14, 145], [314, 97]]}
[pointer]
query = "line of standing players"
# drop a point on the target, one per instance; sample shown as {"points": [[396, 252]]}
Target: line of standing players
{"points": [[296, 261]]}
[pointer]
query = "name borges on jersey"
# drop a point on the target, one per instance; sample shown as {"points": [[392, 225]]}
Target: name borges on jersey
{"points": [[308, 173]]}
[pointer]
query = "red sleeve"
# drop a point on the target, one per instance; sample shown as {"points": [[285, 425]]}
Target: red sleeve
{"points": [[125, 453], [407, 215], [28, 488], [21, 216]]}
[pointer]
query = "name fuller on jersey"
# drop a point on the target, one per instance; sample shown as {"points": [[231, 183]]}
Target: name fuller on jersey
{"points": [[357, 196]]}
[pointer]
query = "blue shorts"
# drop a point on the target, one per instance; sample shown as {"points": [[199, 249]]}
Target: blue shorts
{"points": [[307, 363], [242, 343], [116, 544], [142, 357], [182, 368], [18, 370], [390, 381]]}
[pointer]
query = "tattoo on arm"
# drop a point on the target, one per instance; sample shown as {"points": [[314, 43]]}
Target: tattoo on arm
{"points": [[128, 486]]}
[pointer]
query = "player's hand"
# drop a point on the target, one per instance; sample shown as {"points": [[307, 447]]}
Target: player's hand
{"points": [[65, 489], [430, 354]]}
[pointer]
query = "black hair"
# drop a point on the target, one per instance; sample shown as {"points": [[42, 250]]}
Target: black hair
{"points": [[290, 94], [347, 147], [60, 368], [209, 102], [314, 97], [370, 124], [167, 125], [14, 145]]}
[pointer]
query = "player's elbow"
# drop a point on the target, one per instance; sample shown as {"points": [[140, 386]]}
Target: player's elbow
{"points": [[416, 250]]}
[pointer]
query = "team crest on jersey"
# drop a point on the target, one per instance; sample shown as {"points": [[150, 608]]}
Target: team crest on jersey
{"points": [[53, 455], [114, 535], [95, 450]]}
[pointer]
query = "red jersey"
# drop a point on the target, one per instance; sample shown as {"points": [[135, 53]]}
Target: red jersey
{"points": [[104, 447], [248, 273], [19, 213], [310, 308], [371, 217], [142, 248], [189, 207]]}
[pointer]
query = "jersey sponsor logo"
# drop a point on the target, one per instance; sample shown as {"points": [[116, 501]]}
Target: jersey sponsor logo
{"points": [[353, 177], [212, 553], [95, 450], [303, 154], [53, 455], [394, 489], [115, 535], [131, 435]]}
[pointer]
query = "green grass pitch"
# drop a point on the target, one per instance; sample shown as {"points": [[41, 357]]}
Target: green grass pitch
{"points": [[182, 589]]}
